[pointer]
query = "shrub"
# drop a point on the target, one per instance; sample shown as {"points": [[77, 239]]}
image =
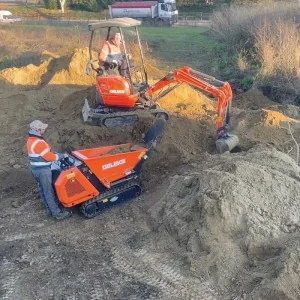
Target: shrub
{"points": [[278, 48], [266, 40], [51, 4], [237, 25], [89, 5]]}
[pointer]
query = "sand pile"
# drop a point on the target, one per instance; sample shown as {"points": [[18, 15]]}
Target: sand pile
{"points": [[74, 71], [29, 75], [187, 102], [276, 119], [252, 99], [236, 219], [68, 70]]}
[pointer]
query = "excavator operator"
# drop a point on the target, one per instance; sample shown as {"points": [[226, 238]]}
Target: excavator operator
{"points": [[111, 56]]}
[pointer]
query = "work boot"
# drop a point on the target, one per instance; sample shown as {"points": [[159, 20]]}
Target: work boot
{"points": [[63, 215]]}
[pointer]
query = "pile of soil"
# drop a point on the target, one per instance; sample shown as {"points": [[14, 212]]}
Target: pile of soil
{"points": [[235, 220], [222, 226], [67, 70], [29, 75]]}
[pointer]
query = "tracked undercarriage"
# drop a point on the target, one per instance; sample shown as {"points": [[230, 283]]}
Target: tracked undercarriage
{"points": [[118, 117], [122, 191]]}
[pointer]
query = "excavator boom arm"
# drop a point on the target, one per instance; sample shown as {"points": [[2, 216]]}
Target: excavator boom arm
{"points": [[203, 82]]}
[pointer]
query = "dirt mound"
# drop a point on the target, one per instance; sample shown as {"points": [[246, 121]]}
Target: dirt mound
{"points": [[74, 71], [277, 119], [236, 219], [187, 102], [252, 99], [68, 70], [29, 75]]}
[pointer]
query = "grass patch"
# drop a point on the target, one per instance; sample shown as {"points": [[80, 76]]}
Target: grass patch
{"points": [[176, 47], [16, 9]]}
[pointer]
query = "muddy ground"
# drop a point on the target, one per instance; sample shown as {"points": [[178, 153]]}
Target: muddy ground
{"points": [[208, 226]]}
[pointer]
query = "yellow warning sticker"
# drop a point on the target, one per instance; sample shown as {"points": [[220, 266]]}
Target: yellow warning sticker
{"points": [[71, 175], [141, 154]]}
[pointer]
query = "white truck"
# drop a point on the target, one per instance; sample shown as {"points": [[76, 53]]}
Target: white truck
{"points": [[7, 17], [162, 12]]}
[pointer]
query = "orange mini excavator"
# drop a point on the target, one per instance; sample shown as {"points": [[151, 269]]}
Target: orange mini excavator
{"points": [[118, 99], [95, 179]]}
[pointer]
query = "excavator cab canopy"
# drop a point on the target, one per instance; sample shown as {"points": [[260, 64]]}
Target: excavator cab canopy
{"points": [[116, 22], [119, 24]]}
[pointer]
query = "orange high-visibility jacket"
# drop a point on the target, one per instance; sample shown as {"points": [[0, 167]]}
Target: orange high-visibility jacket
{"points": [[109, 52], [39, 152]]}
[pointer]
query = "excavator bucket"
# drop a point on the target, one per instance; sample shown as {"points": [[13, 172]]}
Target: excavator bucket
{"points": [[227, 143]]}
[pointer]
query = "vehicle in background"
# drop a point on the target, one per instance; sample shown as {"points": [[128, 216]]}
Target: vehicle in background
{"points": [[159, 13], [7, 17]]}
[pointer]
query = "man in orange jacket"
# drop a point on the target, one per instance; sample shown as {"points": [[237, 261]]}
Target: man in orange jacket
{"points": [[111, 55], [40, 158]]}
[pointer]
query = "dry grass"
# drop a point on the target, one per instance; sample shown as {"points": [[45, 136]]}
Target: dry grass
{"points": [[237, 25], [19, 43], [278, 48], [266, 37], [242, 61]]}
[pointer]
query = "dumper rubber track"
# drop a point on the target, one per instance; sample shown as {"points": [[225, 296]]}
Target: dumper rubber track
{"points": [[121, 193]]}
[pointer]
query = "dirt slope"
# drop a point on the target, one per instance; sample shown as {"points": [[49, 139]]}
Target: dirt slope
{"points": [[235, 219], [207, 227]]}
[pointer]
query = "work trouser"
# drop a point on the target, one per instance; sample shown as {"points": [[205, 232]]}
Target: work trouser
{"points": [[122, 69], [43, 176]]}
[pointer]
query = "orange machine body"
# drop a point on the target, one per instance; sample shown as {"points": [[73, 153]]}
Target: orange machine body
{"points": [[115, 91], [109, 164], [72, 187], [208, 84]]}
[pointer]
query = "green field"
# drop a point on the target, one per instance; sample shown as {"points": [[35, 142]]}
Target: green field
{"points": [[181, 46]]}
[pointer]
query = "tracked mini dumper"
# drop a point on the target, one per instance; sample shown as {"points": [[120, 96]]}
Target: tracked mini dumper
{"points": [[95, 179]]}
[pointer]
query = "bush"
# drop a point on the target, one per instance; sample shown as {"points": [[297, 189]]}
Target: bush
{"points": [[237, 25], [51, 4], [85, 5], [266, 40], [90, 5], [278, 48]]}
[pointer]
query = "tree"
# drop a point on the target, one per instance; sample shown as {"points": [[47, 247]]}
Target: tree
{"points": [[62, 5]]}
